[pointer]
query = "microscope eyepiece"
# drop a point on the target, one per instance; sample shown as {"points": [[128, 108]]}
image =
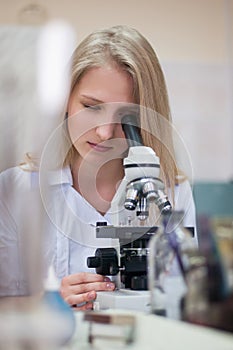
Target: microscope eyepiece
{"points": [[131, 127]]}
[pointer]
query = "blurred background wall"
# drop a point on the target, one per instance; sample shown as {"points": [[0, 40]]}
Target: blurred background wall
{"points": [[194, 41]]}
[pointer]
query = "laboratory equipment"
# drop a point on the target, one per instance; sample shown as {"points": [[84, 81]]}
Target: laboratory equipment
{"points": [[171, 245], [209, 297], [140, 188], [63, 315], [32, 93]]}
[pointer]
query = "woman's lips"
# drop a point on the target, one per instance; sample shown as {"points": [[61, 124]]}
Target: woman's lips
{"points": [[99, 148]]}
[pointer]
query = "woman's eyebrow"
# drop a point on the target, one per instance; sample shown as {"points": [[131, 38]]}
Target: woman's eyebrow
{"points": [[91, 98]]}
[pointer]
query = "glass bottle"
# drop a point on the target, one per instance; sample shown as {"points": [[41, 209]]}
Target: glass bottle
{"points": [[168, 261]]}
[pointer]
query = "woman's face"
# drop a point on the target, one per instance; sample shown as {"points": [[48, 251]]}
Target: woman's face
{"points": [[95, 109]]}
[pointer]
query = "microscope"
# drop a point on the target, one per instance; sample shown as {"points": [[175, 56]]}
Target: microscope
{"points": [[140, 187]]}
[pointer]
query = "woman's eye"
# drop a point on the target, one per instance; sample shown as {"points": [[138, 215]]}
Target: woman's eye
{"points": [[93, 108]]}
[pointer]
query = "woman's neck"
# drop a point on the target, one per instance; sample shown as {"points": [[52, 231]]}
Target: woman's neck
{"points": [[96, 184]]}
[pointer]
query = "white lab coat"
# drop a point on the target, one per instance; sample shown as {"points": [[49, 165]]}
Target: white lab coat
{"points": [[66, 225]]}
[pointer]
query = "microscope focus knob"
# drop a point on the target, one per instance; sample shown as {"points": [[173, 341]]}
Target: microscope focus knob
{"points": [[105, 261], [93, 262]]}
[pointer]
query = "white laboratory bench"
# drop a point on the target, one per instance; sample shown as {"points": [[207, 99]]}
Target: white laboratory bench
{"points": [[154, 332], [36, 327]]}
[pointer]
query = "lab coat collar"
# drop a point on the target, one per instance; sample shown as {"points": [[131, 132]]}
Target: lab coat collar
{"points": [[61, 176]]}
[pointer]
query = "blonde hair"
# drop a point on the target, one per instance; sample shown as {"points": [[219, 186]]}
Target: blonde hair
{"points": [[131, 52], [126, 48]]}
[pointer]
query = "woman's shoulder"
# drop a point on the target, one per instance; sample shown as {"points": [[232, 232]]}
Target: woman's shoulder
{"points": [[183, 194], [183, 184], [16, 178], [14, 173]]}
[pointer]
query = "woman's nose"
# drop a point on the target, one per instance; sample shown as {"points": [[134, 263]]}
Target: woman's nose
{"points": [[106, 131]]}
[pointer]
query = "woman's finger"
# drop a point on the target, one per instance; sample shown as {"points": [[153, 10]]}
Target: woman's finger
{"points": [[83, 288], [77, 299], [83, 277], [84, 307]]}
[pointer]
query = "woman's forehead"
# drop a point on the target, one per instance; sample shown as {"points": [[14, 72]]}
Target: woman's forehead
{"points": [[106, 84]]}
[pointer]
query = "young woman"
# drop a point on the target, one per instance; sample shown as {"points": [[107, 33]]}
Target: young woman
{"points": [[114, 72]]}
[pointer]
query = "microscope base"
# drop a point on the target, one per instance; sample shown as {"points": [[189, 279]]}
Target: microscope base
{"points": [[124, 299]]}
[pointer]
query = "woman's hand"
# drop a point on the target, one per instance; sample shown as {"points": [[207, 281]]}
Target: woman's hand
{"points": [[79, 290]]}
